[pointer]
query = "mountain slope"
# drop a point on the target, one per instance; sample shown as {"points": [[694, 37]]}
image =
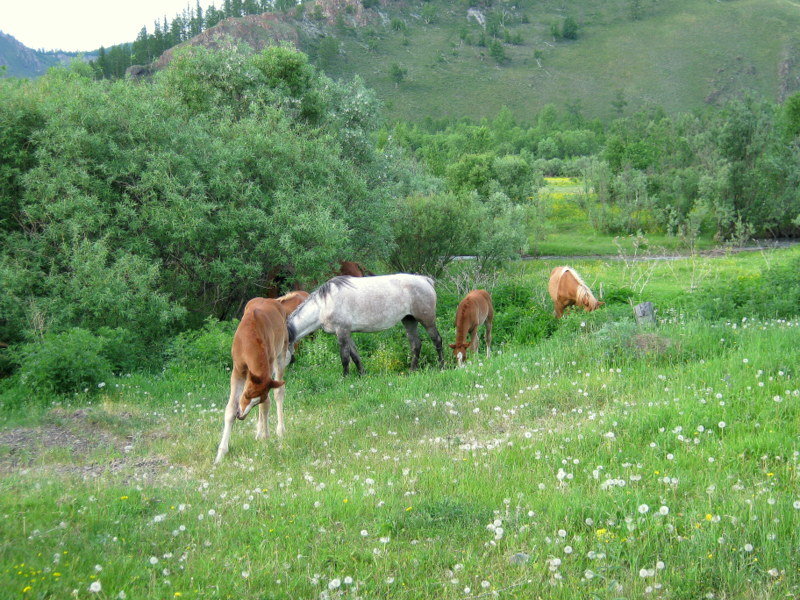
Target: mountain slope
{"points": [[628, 54], [21, 61], [682, 54]]}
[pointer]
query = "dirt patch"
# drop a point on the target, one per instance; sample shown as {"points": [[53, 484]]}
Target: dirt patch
{"points": [[80, 432], [650, 343]]}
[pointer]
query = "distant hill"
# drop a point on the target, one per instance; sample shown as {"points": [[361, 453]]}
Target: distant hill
{"points": [[447, 58], [21, 61]]}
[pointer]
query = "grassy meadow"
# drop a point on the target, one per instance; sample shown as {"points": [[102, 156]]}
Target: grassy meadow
{"points": [[584, 459], [565, 228]]}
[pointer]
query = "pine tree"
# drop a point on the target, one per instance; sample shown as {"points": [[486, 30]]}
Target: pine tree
{"points": [[141, 48], [102, 63]]}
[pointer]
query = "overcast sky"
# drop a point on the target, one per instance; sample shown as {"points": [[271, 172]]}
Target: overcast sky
{"points": [[84, 24]]}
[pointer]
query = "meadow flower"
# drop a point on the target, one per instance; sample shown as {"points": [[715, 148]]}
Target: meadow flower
{"points": [[348, 580], [643, 508], [664, 510], [95, 587], [485, 584], [748, 547], [334, 584], [153, 560]]}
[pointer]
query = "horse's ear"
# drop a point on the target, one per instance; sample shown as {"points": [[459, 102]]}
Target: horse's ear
{"points": [[453, 346]]}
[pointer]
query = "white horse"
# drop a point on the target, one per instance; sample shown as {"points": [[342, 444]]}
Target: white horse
{"points": [[346, 304]]}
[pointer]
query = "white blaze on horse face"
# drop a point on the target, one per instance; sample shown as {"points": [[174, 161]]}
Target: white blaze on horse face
{"points": [[460, 358], [253, 403]]}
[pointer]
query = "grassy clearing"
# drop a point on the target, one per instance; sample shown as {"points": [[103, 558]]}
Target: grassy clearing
{"points": [[601, 462], [567, 231]]}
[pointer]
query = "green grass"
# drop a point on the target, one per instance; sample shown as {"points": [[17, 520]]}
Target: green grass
{"points": [[567, 231], [681, 55], [394, 479]]}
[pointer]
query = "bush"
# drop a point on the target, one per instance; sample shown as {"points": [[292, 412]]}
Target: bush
{"points": [[431, 230], [65, 362], [209, 346], [569, 30], [127, 352]]}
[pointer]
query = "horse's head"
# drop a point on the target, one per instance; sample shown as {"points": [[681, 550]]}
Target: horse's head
{"points": [[587, 300], [591, 303], [254, 393], [460, 352]]}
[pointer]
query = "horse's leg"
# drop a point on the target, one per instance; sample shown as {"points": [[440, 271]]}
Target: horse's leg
{"points": [[262, 427], [344, 350], [278, 394], [237, 385], [474, 338], [487, 337], [355, 357], [433, 333], [410, 323]]}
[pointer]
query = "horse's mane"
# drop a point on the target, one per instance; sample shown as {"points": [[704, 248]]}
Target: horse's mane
{"points": [[583, 289], [334, 282]]}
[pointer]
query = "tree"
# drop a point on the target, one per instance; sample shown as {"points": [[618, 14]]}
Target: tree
{"points": [[569, 29], [431, 230], [256, 165], [791, 111], [397, 73], [497, 51], [619, 102], [328, 51], [635, 8]]}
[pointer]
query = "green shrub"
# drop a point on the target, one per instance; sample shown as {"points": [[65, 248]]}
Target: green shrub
{"points": [[209, 346], [620, 295], [64, 362], [127, 352]]}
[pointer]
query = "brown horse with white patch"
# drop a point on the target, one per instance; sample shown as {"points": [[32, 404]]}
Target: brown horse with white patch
{"points": [[568, 289], [260, 354], [473, 311]]}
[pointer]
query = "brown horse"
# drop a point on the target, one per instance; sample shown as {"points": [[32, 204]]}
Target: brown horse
{"points": [[568, 289], [473, 311], [260, 354], [348, 267], [292, 300]]}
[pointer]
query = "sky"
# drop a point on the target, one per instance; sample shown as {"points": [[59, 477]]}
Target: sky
{"points": [[75, 25]]}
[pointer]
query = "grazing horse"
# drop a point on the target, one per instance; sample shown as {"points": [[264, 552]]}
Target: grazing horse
{"points": [[473, 311], [568, 289], [344, 304], [260, 355], [354, 269]]}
